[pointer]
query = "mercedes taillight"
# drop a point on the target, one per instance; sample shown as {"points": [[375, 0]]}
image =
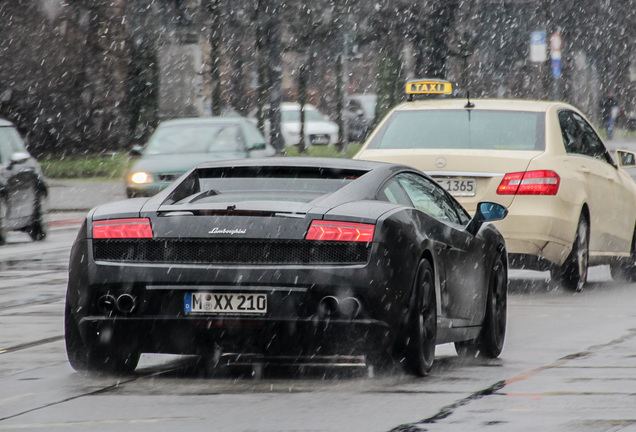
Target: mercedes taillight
{"points": [[539, 182]]}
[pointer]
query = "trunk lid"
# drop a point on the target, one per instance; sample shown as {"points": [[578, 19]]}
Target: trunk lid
{"points": [[457, 169]]}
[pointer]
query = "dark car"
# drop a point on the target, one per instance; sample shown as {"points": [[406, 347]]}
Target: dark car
{"points": [[23, 189], [178, 145], [359, 114], [287, 257]]}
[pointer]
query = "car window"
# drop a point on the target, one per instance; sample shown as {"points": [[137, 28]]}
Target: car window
{"points": [[252, 135], [10, 143], [393, 192], [579, 137], [569, 132], [294, 115], [353, 105], [193, 139], [256, 183], [461, 129], [428, 197], [590, 141], [227, 139]]}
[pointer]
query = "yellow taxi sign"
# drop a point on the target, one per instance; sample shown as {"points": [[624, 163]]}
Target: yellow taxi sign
{"points": [[429, 87]]}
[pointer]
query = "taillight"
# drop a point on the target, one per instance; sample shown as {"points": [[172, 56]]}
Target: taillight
{"points": [[540, 182], [340, 231], [122, 228]]}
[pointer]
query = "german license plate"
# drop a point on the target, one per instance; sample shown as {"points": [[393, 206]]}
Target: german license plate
{"points": [[458, 186], [225, 303]]}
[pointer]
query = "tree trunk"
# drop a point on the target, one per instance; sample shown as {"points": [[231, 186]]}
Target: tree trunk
{"points": [[274, 65]]}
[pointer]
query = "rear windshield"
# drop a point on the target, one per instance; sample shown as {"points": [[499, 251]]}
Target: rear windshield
{"points": [[239, 184], [461, 129]]}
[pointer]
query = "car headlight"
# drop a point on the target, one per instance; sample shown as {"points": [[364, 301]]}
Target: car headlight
{"points": [[141, 177]]}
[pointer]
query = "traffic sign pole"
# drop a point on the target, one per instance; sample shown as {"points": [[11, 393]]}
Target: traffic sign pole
{"points": [[555, 56]]}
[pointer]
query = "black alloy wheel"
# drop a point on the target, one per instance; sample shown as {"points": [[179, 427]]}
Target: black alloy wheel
{"points": [[625, 270], [490, 341], [422, 322], [572, 275]]}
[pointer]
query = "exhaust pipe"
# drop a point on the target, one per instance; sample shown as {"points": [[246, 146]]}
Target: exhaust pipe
{"points": [[106, 304], [329, 306], [126, 303], [350, 307]]}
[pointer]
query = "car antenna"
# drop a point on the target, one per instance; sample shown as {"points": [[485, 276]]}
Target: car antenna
{"points": [[469, 104]]}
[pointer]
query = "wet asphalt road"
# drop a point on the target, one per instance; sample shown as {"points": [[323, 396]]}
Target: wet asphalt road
{"points": [[569, 364]]}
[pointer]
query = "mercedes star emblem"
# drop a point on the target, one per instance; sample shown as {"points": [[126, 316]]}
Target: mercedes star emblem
{"points": [[440, 162]]}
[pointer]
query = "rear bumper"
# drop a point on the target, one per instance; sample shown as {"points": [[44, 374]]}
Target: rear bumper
{"points": [[204, 335], [297, 315], [539, 231]]}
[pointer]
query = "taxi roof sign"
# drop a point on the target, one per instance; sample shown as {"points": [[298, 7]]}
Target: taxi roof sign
{"points": [[428, 86]]}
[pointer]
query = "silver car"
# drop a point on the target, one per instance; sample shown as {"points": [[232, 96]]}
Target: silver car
{"points": [[23, 189]]}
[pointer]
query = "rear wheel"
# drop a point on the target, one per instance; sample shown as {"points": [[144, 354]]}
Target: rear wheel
{"points": [[422, 322], [3, 221], [110, 359], [37, 228], [625, 270], [573, 273], [490, 341]]}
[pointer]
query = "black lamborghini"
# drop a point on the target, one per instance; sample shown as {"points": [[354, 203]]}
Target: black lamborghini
{"points": [[287, 257]]}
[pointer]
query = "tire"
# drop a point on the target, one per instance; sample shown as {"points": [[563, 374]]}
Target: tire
{"points": [[625, 270], [76, 351], [3, 221], [572, 275], [112, 359], [491, 338], [422, 322], [37, 229]]}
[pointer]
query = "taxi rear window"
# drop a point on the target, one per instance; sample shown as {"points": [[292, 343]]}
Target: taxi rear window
{"points": [[461, 129]]}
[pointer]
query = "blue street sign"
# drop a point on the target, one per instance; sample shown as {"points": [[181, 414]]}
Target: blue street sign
{"points": [[537, 37], [556, 68], [538, 47]]}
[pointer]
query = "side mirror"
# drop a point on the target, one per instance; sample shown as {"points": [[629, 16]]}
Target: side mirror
{"points": [[136, 150], [257, 146], [18, 158], [486, 212], [626, 159]]}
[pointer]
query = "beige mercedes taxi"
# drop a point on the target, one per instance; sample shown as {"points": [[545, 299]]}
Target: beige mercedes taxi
{"points": [[570, 203]]}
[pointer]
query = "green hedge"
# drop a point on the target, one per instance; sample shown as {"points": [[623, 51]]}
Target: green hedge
{"points": [[89, 166], [114, 166]]}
